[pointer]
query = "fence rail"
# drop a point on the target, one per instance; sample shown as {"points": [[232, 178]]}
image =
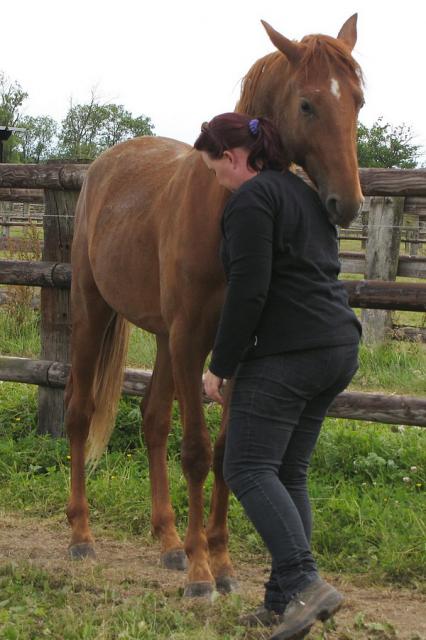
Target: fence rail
{"points": [[371, 294], [374, 407], [31, 196], [378, 182], [408, 266]]}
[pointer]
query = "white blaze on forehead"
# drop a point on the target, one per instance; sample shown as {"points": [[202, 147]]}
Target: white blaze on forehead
{"points": [[335, 88]]}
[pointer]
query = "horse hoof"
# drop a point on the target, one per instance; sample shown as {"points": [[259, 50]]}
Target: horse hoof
{"points": [[82, 550], [174, 560], [227, 584], [200, 590]]}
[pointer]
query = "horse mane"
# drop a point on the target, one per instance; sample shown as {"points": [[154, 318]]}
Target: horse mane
{"points": [[321, 53], [250, 82]]}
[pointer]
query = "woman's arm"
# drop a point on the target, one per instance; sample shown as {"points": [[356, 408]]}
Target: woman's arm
{"points": [[248, 228]]}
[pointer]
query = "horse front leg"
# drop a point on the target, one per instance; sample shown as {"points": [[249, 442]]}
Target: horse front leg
{"points": [[188, 355], [217, 527]]}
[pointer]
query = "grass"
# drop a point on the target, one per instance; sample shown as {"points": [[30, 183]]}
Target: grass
{"points": [[396, 367], [19, 336], [52, 606], [38, 605]]}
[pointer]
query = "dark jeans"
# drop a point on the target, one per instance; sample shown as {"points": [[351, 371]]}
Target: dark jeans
{"points": [[278, 405]]}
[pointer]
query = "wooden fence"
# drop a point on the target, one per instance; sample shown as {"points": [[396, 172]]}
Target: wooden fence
{"points": [[413, 226], [61, 184]]}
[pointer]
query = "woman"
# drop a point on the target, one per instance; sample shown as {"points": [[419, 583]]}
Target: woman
{"points": [[290, 340]]}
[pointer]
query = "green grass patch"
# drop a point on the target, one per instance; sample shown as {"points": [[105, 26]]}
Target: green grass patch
{"points": [[37, 604], [394, 367], [19, 332], [142, 349]]}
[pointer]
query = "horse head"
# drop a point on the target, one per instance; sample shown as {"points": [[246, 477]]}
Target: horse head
{"points": [[312, 90]]}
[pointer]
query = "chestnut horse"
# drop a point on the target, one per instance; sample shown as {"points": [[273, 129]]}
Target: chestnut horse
{"points": [[145, 250]]}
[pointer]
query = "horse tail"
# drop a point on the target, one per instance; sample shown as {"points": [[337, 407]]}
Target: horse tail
{"points": [[107, 386]]}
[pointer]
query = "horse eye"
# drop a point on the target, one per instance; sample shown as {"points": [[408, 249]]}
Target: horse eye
{"points": [[305, 107]]}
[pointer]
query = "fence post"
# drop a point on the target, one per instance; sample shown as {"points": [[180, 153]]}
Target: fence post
{"points": [[412, 234], [26, 210], [364, 221], [5, 218], [58, 224], [381, 259]]}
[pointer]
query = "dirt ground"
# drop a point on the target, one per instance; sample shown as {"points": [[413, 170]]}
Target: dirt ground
{"points": [[44, 543]]}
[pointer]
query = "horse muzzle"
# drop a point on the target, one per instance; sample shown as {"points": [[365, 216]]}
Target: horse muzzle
{"points": [[343, 212]]}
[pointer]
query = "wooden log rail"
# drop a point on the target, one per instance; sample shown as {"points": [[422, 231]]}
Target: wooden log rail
{"points": [[376, 294], [42, 176], [371, 294], [35, 221], [32, 196], [408, 266], [379, 182], [404, 238], [35, 274], [374, 407], [391, 182], [413, 334], [413, 204], [47, 373]]}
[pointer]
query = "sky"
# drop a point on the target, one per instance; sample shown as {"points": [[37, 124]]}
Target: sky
{"points": [[181, 63]]}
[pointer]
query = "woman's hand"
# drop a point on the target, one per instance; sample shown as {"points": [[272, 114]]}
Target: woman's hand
{"points": [[212, 385]]}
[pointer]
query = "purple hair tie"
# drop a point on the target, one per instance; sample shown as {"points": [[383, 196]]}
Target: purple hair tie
{"points": [[254, 126]]}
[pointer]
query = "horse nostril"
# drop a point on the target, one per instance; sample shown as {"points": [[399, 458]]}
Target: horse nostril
{"points": [[332, 205]]}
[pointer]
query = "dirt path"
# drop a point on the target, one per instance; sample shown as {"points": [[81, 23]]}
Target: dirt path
{"points": [[369, 613]]}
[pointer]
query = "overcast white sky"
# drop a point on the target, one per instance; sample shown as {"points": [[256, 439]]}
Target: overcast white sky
{"points": [[181, 62]]}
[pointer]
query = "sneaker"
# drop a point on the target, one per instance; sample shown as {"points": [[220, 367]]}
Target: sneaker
{"points": [[318, 601], [260, 617]]}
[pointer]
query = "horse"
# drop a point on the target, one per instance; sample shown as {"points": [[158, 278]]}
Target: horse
{"points": [[146, 251]]}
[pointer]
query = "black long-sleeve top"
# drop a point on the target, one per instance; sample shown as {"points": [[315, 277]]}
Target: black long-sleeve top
{"points": [[280, 255]]}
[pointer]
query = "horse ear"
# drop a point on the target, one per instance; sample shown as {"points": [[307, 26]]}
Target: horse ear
{"points": [[289, 48], [348, 32]]}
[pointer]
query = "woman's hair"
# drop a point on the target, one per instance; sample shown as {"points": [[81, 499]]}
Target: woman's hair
{"points": [[258, 135]]}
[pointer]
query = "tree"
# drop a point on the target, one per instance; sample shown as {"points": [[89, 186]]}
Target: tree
{"points": [[12, 96], [386, 145], [88, 129], [38, 143], [119, 125]]}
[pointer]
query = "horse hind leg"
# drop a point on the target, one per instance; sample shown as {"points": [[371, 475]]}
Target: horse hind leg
{"points": [[217, 529], [95, 328], [156, 413]]}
